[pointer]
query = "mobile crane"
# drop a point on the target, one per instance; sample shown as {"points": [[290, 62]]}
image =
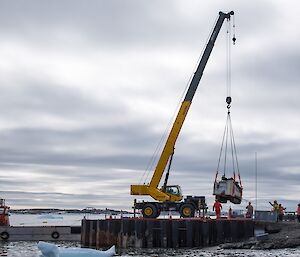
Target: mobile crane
{"points": [[169, 197]]}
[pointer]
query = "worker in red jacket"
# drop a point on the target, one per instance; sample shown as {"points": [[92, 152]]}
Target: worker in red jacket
{"points": [[217, 207], [298, 212]]}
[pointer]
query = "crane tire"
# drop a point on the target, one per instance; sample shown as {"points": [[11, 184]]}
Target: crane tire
{"points": [[150, 211], [55, 235], [187, 210], [4, 235]]}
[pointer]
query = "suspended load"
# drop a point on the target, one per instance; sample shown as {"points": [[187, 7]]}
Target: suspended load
{"points": [[228, 189]]}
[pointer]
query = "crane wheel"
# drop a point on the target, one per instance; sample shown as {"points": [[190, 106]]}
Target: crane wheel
{"points": [[187, 210], [150, 211]]}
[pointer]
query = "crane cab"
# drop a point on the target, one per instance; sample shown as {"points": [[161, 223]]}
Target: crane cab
{"points": [[174, 192]]}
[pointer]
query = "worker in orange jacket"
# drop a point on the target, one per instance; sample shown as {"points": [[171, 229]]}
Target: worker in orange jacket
{"points": [[298, 212], [281, 210], [217, 207]]}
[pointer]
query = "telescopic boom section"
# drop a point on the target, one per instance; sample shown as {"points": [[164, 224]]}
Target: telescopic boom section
{"points": [[152, 189], [177, 125]]}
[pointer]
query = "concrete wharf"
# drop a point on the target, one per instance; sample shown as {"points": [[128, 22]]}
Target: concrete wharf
{"points": [[164, 233]]}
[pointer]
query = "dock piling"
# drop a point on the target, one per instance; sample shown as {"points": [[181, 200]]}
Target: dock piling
{"points": [[163, 233]]}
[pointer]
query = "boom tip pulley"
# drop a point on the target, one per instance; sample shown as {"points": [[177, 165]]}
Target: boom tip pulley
{"points": [[227, 14]]}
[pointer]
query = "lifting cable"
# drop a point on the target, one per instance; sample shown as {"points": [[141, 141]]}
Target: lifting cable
{"points": [[228, 142]]}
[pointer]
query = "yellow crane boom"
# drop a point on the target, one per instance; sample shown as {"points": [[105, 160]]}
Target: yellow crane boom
{"points": [[167, 195]]}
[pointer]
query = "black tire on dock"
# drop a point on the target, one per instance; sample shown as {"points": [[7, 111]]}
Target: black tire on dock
{"points": [[4, 235], [187, 210], [150, 211], [55, 235]]}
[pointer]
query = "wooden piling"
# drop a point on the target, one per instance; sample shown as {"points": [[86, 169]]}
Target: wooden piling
{"points": [[163, 233]]}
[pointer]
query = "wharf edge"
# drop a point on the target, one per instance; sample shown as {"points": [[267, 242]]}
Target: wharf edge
{"points": [[164, 233]]}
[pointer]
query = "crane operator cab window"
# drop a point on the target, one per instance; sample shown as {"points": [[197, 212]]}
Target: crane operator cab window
{"points": [[173, 190]]}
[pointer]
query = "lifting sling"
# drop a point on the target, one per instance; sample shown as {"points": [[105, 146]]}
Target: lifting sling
{"points": [[228, 189]]}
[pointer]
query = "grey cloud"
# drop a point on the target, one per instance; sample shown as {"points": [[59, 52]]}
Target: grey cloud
{"points": [[102, 20], [126, 23], [59, 200], [37, 96], [277, 67]]}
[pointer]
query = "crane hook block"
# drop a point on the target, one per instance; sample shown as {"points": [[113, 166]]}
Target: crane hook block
{"points": [[228, 100], [233, 40]]}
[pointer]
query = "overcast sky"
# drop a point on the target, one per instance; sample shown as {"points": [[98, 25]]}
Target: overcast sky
{"points": [[88, 89]]}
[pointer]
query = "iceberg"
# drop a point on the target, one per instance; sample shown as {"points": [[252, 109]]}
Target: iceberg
{"points": [[51, 250]]}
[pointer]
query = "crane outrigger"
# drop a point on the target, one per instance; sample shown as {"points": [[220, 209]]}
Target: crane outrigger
{"points": [[170, 197]]}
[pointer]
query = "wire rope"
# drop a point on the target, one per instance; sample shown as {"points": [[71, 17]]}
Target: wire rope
{"points": [[236, 159], [228, 147], [220, 155], [232, 147]]}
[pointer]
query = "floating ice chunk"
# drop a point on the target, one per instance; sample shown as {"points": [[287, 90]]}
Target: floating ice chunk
{"points": [[48, 250], [51, 250], [83, 252]]}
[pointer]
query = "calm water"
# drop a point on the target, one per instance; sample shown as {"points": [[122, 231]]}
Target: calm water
{"points": [[29, 249]]}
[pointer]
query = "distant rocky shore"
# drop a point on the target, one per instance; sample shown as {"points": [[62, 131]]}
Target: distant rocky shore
{"points": [[278, 236], [65, 211]]}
